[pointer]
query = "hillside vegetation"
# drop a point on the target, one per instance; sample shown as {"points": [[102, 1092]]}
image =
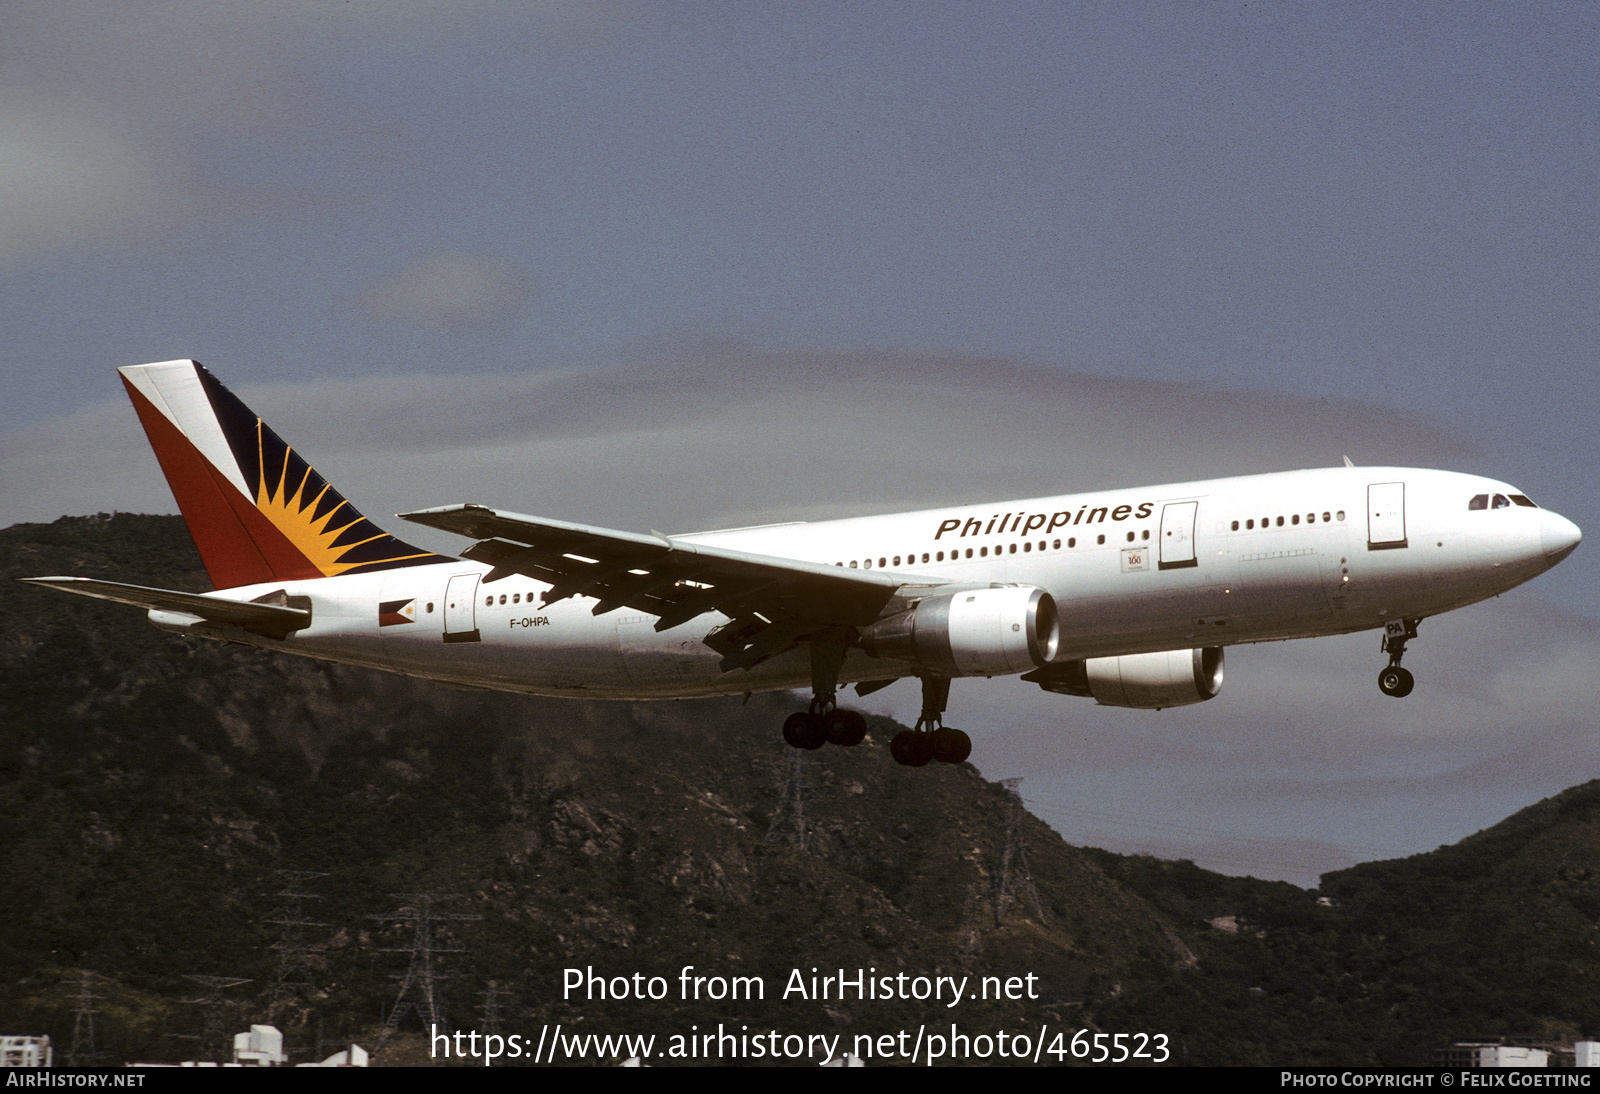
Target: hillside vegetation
{"points": [[151, 788]]}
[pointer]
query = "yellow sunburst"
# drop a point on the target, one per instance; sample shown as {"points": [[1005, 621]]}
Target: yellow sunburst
{"points": [[296, 517]]}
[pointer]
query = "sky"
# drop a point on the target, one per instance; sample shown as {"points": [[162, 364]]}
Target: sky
{"points": [[698, 265]]}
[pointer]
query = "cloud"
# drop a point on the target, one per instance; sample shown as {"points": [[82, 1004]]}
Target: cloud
{"points": [[715, 434], [450, 290], [67, 179], [115, 114]]}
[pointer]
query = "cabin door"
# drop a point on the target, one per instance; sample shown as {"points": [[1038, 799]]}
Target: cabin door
{"points": [[461, 609], [1177, 534], [1386, 515]]}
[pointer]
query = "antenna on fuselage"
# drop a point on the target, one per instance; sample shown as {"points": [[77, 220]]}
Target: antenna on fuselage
{"points": [[1347, 462]]}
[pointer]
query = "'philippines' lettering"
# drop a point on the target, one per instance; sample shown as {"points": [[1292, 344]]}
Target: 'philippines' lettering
{"points": [[1025, 524]]}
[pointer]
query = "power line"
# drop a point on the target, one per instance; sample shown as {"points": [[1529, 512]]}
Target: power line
{"points": [[215, 1044], [489, 1015], [83, 1052], [422, 977], [789, 818], [297, 957], [1015, 881]]}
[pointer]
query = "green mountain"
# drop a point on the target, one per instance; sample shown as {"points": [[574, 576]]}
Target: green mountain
{"points": [[1497, 936], [153, 787]]}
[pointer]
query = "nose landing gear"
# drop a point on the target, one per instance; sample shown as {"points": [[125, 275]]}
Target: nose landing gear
{"points": [[931, 739], [1394, 680]]}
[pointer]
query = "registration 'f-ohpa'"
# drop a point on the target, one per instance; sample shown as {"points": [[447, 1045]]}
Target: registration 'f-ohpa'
{"points": [[1126, 596]]}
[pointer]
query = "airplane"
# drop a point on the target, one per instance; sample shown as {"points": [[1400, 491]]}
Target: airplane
{"points": [[1126, 596]]}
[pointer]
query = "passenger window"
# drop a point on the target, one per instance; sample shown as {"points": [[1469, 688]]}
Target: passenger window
{"points": [[867, 564], [1235, 526], [969, 552], [502, 598], [1013, 549], [1340, 514], [1146, 533], [1326, 517], [852, 564], [983, 552], [1311, 518], [1073, 542], [430, 607], [924, 556], [882, 563], [941, 556], [1523, 499], [1027, 547], [1280, 522], [488, 602], [1250, 524], [1500, 502], [1479, 501], [1292, 520], [1100, 540], [897, 560], [516, 598], [1130, 537]]}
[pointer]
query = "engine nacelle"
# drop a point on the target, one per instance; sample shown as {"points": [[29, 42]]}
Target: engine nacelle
{"points": [[980, 632], [1148, 681]]}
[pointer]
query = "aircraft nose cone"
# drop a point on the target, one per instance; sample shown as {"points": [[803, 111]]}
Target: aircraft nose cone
{"points": [[1559, 537]]}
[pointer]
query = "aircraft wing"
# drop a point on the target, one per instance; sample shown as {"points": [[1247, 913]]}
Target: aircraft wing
{"points": [[273, 619], [772, 603]]}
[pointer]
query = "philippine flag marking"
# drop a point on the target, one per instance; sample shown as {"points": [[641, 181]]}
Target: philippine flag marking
{"points": [[392, 612]]}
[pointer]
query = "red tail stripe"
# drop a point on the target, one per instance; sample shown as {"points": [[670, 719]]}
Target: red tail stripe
{"points": [[238, 545]]}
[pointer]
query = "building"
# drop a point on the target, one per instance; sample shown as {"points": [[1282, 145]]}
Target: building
{"points": [[25, 1051]]}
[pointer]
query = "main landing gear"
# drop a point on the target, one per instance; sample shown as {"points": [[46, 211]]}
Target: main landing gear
{"points": [[824, 722], [1394, 680], [811, 729], [931, 739]]}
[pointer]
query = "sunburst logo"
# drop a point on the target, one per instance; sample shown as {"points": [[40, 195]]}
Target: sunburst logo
{"points": [[313, 516]]}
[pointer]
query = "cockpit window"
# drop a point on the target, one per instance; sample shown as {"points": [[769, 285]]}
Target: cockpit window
{"points": [[1481, 501], [1524, 500], [1500, 502]]}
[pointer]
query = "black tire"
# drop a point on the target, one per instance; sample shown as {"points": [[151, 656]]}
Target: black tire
{"points": [[845, 728], [1396, 681], [911, 749], [950, 746], [805, 730]]}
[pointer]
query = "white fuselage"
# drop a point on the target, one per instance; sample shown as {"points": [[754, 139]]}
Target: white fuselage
{"points": [[1265, 557]]}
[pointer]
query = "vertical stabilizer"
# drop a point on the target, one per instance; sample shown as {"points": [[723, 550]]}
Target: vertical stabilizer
{"points": [[257, 511]]}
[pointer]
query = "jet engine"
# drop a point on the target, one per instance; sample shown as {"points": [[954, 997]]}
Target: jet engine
{"points": [[1148, 681], [979, 632]]}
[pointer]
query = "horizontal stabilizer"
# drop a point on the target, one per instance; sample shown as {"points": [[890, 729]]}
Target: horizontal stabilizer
{"points": [[272, 620]]}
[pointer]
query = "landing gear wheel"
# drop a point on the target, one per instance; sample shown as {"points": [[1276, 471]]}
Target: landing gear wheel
{"points": [[950, 746], [911, 749], [1396, 681], [844, 727], [805, 730]]}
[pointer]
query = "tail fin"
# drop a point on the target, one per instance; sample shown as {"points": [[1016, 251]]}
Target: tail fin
{"points": [[257, 511]]}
